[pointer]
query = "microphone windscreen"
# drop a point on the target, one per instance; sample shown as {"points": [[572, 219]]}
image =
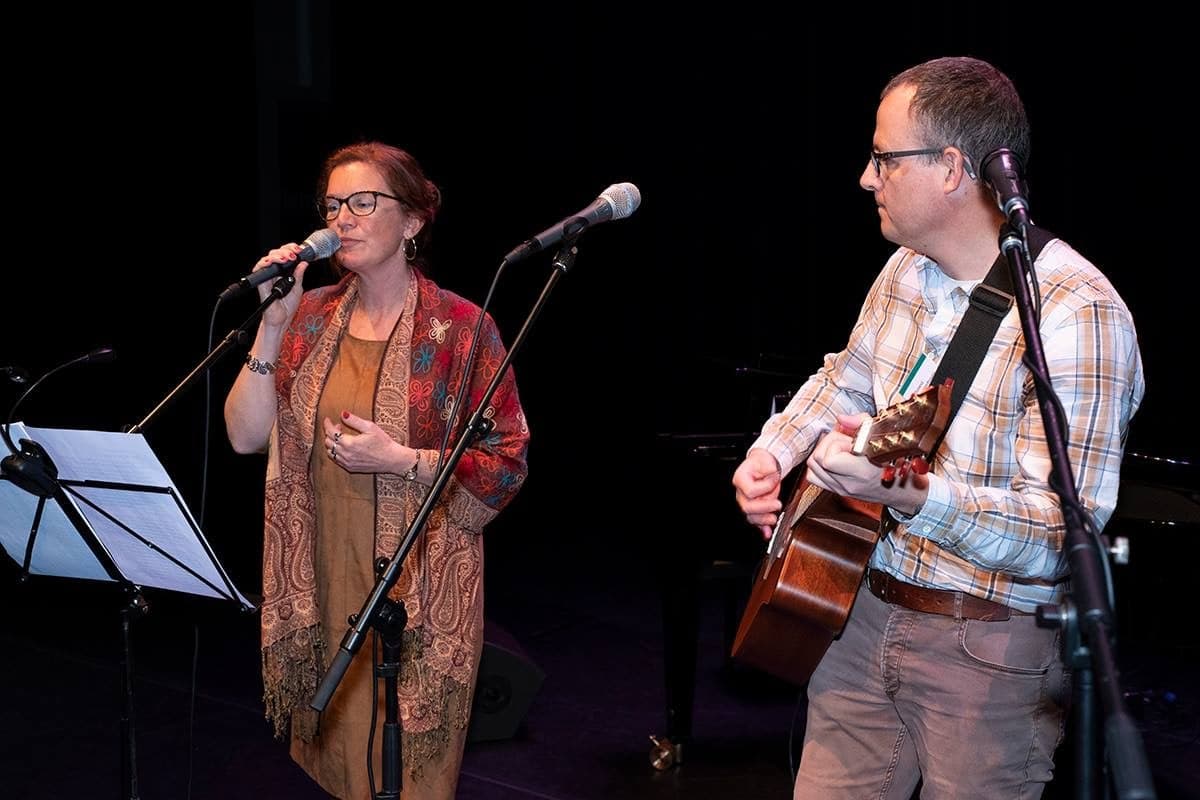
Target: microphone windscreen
{"points": [[624, 198], [321, 244]]}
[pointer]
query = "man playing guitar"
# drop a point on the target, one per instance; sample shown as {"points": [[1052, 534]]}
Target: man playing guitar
{"points": [[941, 676]]}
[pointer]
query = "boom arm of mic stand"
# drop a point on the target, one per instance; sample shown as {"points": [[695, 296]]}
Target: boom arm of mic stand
{"points": [[238, 334], [1131, 773], [477, 425]]}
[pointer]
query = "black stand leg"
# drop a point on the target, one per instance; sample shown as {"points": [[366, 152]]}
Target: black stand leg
{"points": [[1083, 695], [129, 784], [1086, 785], [390, 623]]}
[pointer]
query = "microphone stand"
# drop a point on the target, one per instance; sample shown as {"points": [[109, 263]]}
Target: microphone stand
{"points": [[388, 616], [1086, 617], [235, 336], [136, 605]]}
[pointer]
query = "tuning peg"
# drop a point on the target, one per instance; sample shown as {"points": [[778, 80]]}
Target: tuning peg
{"points": [[920, 465]]}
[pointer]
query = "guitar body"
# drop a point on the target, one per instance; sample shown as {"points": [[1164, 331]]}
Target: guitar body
{"points": [[819, 551], [806, 585]]}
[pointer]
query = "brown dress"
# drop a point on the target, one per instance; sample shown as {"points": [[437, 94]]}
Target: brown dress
{"points": [[345, 550]]}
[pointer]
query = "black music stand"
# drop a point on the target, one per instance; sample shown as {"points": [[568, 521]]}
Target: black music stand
{"points": [[111, 514]]}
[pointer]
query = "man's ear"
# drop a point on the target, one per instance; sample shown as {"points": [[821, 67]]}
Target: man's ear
{"points": [[958, 167]]}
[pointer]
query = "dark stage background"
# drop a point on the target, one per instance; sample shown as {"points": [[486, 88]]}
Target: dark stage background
{"points": [[160, 166]]}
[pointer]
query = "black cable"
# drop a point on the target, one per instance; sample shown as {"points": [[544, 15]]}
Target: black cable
{"points": [[204, 450], [374, 716], [464, 387], [792, 766], [212, 320], [192, 707]]}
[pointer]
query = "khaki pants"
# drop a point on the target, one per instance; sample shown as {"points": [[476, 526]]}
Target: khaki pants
{"points": [[969, 709]]}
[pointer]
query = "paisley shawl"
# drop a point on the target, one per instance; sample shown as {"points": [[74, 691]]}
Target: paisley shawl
{"points": [[441, 584]]}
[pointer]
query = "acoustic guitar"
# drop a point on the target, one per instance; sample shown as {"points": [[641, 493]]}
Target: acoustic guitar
{"points": [[818, 553]]}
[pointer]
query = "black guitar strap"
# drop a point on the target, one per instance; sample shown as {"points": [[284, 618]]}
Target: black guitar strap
{"points": [[989, 304]]}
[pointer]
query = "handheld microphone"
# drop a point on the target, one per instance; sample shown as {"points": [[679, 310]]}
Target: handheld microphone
{"points": [[29, 466], [1002, 170], [321, 244], [616, 202]]}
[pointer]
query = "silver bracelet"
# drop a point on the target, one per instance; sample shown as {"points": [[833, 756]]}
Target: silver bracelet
{"points": [[261, 367]]}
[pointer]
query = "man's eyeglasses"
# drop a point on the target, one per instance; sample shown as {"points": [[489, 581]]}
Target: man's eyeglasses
{"points": [[360, 204], [878, 158]]}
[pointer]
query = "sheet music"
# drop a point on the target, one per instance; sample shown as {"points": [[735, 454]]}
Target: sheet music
{"points": [[156, 530], [100, 456], [59, 549], [150, 534]]}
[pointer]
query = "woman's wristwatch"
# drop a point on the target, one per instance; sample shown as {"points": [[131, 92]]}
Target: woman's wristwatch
{"points": [[411, 475]]}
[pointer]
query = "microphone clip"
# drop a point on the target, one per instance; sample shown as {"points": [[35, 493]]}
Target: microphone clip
{"points": [[564, 259], [281, 287]]}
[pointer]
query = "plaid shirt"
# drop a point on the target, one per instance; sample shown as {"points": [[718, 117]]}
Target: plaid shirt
{"points": [[991, 525]]}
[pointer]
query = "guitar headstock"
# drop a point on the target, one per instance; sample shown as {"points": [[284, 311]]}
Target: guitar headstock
{"points": [[904, 433]]}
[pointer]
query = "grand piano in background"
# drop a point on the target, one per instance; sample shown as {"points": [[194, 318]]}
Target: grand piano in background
{"points": [[710, 551], [1155, 537]]}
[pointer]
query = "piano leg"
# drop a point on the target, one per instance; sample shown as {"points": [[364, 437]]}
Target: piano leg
{"points": [[681, 633], [680, 617], [705, 540]]}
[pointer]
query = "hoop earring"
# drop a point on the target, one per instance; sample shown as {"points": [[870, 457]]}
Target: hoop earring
{"points": [[410, 249]]}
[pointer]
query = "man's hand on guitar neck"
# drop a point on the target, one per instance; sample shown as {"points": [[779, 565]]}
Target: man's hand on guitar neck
{"points": [[832, 466], [756, 483]]}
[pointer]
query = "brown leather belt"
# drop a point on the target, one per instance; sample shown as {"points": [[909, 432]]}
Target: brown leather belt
{"points": [[935, 601]]}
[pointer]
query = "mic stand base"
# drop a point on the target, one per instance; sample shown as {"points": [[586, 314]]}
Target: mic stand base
{"points": [[390, 623]]}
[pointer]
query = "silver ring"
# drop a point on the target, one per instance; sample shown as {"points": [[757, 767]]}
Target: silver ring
{"points": [[337, 436], [333, 452]]}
